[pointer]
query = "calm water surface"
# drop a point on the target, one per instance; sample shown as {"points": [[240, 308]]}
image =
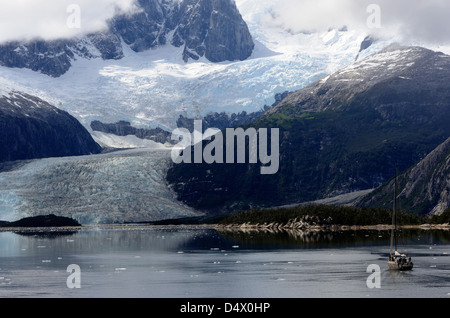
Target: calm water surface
{"points": [[199, 262]]}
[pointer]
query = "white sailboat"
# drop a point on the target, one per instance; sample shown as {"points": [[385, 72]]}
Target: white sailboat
{"points": [[397, 261]]}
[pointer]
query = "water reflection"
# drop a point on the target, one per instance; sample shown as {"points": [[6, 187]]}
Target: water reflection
{"points": [[46, 234], [162, 238], [151, 261], [281, 239]]}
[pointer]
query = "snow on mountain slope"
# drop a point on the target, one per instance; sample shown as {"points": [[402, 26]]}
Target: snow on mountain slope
{"points": [[154, 87]]}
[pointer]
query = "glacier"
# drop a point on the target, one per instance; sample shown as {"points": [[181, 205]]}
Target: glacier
{"points": [[116, 187]]}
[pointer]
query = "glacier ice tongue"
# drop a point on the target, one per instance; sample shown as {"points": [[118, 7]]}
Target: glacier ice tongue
{"points": [[118, 187]]}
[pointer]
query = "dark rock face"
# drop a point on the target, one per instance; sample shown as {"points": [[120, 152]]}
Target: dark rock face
{"points": [[210, 28], [145, 29], [31, 128], [124, 128], [366, 43], [214, 29], [108, 44], [423, 189], [51, 58], [222, 120], [54, 58]]}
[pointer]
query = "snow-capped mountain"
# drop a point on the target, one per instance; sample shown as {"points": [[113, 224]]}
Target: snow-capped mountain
{"points": [[153, 87], [213, 29]]}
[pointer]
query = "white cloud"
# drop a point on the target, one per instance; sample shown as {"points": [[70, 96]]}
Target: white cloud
{"points": [[419, 20], [416, 20], [52, 19]]}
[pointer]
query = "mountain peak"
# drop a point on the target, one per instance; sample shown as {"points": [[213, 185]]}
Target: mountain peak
{"points": [[213, 29]]}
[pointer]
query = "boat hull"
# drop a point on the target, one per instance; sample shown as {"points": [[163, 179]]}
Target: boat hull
{"points": [[400, 267]]}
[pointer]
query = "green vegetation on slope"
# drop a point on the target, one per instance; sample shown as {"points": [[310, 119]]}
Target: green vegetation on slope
{"points": [[321, 154]]}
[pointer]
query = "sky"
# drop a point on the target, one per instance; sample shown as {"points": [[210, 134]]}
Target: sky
{"points": [[421, 20]]}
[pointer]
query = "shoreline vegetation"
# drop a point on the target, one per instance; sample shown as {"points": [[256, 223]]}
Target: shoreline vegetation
{"points": [[319, 218], [301, 218]]}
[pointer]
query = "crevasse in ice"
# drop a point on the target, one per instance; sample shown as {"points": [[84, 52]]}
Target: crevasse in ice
{"points": [[123, 186]]}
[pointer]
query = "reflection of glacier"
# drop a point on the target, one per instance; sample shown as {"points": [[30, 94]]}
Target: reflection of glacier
{"points": [[125, 186]]}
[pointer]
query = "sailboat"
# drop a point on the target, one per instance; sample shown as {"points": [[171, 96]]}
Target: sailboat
{"points": [[397, 261]]}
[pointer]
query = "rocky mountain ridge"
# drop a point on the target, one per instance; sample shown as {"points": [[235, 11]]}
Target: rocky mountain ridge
{"points": [[423, 189], [124, 128], [212, 29]]}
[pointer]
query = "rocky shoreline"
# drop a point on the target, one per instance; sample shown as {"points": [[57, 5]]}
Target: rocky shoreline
{"points": [[305, 227]]}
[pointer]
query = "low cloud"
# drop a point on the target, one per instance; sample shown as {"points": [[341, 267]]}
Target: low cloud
{"points": [[417, 20], [54, 19], [410, 20]]}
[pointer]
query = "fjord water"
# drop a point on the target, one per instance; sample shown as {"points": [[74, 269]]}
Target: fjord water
{"points": [[201, 262]]}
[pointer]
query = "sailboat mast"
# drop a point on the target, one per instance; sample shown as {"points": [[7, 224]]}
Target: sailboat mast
{"points": [[394, 219], [395, 209]]}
